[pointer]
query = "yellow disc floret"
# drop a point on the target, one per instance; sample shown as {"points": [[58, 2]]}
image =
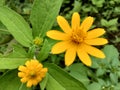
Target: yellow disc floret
{"points": [[38, 41], [32, 73]]}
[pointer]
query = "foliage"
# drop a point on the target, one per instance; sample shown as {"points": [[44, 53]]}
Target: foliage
{"points": [[21, 21]]}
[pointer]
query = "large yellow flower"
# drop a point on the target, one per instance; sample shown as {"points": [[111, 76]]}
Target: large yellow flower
{"points": [[32, 73], [77, 39]]}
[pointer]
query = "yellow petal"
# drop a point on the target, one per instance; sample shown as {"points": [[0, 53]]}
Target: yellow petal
{"points": [[63, 24], [84, 57], [29, 83], [96, 41], [94, 51], [22, 68], [75, 21], [57, 35], [43, 72], [70, 56], [24, 79], [34, 63], [39, 66], [39, 78], [34, 82], [87, 23], [95, 33], [21, 74], [28, 63], [60, 47]]}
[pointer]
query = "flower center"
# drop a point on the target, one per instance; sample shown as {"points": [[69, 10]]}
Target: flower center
{"points": [[32, 74], [78, 37]]}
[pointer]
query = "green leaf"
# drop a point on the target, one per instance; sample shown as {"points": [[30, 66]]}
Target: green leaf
{"points": [[13, 60], [2, 2], [10, 81], [16, 25], [3, 29], [113, 28], [94, 86], [45, 50], [52, 84], [94, 62], [113, 21], [31, 51], [18, 51], [104, 22], [117, 1], [114, 78], [101, 81], [43, 15], [110, 56], [112, 24], [61, 80], [44, 82], [79, 71], [11, 63], [117, 9], [117, 87], [86, 8], [77, 6], [98, 3], [100, 72]]}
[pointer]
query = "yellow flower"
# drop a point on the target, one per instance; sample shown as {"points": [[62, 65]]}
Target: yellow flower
{"points": [[32, 72], [77, 40]]}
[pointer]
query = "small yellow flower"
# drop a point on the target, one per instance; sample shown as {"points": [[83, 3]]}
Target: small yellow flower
{"points": [[77, 39], [38, 41], [32, 72]]}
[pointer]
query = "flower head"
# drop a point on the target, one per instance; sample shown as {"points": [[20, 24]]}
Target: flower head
{"points": [[37, 41], [32, 72], [77, 40]]}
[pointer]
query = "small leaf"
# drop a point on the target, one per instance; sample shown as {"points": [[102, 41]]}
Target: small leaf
{"points": [[94, 86], [61, 80], [31, 51], [114, 78], [113, 21], [117, 9], [104, 22], [43, 15], [45, 50], [98, 3], [16, 25], [101, 81], [44, 82], [113, 28], [100, 72], [110, 55], [77, 6]]}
